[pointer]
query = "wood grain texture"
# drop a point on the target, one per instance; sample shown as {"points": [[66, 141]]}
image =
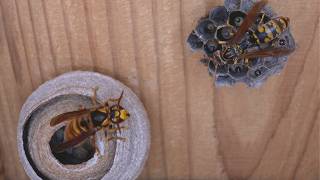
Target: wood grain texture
{"points": [[198, 131]]}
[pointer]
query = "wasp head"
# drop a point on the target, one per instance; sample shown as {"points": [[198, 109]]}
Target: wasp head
{"points": [[118, 114]]}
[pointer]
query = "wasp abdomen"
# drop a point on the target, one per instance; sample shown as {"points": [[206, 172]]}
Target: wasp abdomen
{"points": [[75, 128], [271, 30]]}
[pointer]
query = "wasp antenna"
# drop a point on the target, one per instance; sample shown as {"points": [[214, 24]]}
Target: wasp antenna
{"points": [[120, 97]]}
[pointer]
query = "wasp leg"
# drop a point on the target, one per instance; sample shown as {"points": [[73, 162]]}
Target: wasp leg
{"points": [[94, 97], [116, 129], [96, 149], [117, 138], [113, 100]]}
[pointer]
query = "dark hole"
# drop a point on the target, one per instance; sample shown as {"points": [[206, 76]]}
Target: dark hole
{"points": [[73, 155], [257, 72], [282, 42]]}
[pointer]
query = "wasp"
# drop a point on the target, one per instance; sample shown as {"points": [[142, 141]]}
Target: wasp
{"points": [[244, 31], [86, 122]]}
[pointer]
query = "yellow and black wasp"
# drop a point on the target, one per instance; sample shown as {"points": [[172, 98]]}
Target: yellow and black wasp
{"points": [[84, 123]]}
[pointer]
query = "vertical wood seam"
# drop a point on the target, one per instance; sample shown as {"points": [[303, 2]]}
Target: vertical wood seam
{"points": [[44, 9], [305, 147], [110, 31], [140, 82], [187, 107], [90, 36], [156, 33], [23, 43], [66, 27], [35, 40]]}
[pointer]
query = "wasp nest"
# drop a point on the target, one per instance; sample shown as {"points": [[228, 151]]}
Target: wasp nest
{"points": [[231, 62], [115, 160]]}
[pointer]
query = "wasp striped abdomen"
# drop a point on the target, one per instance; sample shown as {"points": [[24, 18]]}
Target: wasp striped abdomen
{"points": [[267, 32], [76, 127]]}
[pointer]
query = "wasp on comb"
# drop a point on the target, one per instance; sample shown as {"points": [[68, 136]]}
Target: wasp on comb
{"points": [[85, 123], [243, 41]]}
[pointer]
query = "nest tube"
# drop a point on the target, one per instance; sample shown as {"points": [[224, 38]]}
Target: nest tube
{"points": [[117, 159]]}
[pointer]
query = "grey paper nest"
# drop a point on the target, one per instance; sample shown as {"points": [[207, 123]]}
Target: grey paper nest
{"points": [[118, 160], [254, 73]]}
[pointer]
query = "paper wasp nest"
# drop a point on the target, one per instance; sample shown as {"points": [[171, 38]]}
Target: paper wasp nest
{"points": [[254, 71]]}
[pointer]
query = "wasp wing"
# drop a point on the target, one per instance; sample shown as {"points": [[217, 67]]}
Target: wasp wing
{"points": [[276, 52], [249, 20], [63, 146], [68, 116]]}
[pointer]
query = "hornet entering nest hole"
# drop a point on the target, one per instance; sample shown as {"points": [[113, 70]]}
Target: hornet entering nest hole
{"points": [[71, 144], [243, 42]]}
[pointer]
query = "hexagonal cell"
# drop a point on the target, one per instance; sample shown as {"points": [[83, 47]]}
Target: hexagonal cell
{"points": [[236, 18], [225, 33], [206, 30], [219, 15], [224, 80], [238, 71], [194, 41], [211, 46]]}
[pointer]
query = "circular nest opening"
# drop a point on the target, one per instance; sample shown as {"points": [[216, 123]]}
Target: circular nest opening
{"points": [[73, 155]]}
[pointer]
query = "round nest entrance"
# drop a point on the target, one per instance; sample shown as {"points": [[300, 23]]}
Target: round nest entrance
{"points": [[74, 155]]}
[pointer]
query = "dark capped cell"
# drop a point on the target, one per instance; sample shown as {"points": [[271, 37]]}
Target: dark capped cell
{"points": [[225, 33], [210, 47], [206, 29], [236, 18], [194, 42], [219, 15], [238, 71]]}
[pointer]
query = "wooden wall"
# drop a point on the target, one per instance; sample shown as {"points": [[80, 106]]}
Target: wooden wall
{"points": [[198, 131]]}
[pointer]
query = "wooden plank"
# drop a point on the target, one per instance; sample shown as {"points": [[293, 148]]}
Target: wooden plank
{"points": [[309, 165], [121, 37], [147, 61], [10, 103], [172, 88], [43, 41], [60, 45], [77, 33], [29, 40], [98, 32], [13, 39], [198, 131]]}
